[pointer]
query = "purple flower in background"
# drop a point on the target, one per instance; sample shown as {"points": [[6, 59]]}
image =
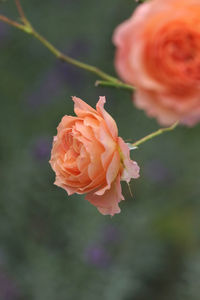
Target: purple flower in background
{"points": [[79, 48], [158, 172], [8, 289], [68, 74], [48, 90], [41, 148], [111, 234], [3, 33], [98, 256], [61, 75]]}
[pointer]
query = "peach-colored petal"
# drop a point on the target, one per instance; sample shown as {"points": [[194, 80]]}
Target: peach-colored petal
{"points": [[86, 159], [70, 190], [92, 122], [97, 182], [85, 131], [191, 120], [149, 102], [112, 127], [83, 160], [94, 150], [102, 135], [82, 109], [66, 122], [109, 145], [128, 58], [158, 51], [131, 168], [181, 104], [108, 203], [113, 168], [112, 172]]}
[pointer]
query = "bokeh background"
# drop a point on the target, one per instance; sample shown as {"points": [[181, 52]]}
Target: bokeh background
{"points": [[57, 247]]}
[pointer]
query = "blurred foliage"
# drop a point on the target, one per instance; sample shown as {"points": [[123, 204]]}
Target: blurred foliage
{"points": [[57, 247]]}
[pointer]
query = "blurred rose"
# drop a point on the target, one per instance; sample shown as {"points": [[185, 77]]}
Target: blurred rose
{"points": [[158, 51], [89, 158]]}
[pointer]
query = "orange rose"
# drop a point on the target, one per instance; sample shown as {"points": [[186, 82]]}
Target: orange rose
{"points": [[89, 158], [158, 51]]}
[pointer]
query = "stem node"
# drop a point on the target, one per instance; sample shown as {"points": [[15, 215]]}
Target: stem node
{"points": [[28, 28]]}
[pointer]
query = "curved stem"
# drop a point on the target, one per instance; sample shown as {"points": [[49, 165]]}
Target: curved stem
{"points": [[28, 28], [73, 61], [21, 12], [154, 134], [115, 85], [11, 22]]}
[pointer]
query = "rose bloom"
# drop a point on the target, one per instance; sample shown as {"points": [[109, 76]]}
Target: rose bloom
{"points": [[89, 158], [158, 51]]}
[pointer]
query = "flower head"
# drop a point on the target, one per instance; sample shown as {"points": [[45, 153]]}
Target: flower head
{"points": [[89, 158], [158, 51]]}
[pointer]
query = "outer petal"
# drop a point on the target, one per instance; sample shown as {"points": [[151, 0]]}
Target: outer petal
{"points": [[70, 190], [108, 203], [109, 145], [111, 174], [112, 127], [140, 59], [86, 157], [127, 38], [82, 109], [131, 168], [192, 118], [154, 108]]}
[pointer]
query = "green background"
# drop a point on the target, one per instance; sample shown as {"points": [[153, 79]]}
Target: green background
{"points": [[57, 247]]}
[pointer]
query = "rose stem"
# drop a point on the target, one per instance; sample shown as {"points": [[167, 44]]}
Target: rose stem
{"points": [[114, 84], [28, 28], [154, 134]]}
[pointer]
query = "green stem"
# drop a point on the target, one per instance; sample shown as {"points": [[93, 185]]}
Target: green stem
{"points": [[21, 12], [154, 134], [73, 61], [114, 84], [11, 22], [28, 28]]}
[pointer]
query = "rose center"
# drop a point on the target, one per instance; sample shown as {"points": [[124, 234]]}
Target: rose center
{"points": [[177, 53], [181, 47]]}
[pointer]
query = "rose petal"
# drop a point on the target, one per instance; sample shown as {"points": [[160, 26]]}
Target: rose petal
{"points": [[111, 174], [109, 144], [66, 122], [98, 181], [154, 108], [70, 190], [86, 131], [131, 168], [112, 127], [157, 51], [108, 203], [86, 157], [82, 109]]}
